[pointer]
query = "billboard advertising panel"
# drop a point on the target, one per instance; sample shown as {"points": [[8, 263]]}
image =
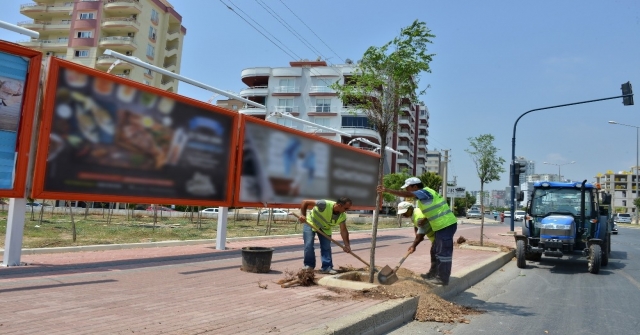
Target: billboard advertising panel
{"points": [[281, 166], [111, 139], [19, 76]]}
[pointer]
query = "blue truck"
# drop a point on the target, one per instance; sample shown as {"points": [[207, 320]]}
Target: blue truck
{"points": [[565, 219]]}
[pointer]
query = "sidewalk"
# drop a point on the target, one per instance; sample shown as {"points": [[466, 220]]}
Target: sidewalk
{"points": [[195, 289]]}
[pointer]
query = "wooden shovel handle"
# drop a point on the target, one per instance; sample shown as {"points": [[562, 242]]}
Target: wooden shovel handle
{"points": [[401, 261], [329, 237]]}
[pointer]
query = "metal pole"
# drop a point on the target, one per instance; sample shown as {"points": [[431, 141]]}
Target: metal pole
{"points": [[634, 200], [19, 30], [513, 146]]}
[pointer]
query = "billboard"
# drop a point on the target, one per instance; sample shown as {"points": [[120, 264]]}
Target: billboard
{"points": [[19, 76], [280, 167], [111, 139]]}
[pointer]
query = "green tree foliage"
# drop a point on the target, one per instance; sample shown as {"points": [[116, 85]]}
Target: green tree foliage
{"points": [[385, 79], [460, 205], [431, 180], [488, 166], [394, 181]]}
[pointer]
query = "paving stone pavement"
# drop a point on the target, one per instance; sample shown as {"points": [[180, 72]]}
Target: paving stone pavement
{"points": [[196, 289]]}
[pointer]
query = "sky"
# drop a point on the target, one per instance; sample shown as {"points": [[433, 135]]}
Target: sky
{"points": [[494, 60]]}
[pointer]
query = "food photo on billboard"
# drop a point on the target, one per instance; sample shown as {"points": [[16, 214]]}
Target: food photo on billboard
{"points": [[19, 75], [108, 136], [281, 166]]}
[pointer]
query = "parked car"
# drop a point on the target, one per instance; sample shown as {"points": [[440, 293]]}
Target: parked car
{"points": [[33, 204], [622, 218], [507, 214], [474, 214], [278, 213], [211, 210], [520, 215]]}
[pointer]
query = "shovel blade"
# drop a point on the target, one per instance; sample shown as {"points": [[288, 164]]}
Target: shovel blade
{"points": [[386, 271], [387, 280]]}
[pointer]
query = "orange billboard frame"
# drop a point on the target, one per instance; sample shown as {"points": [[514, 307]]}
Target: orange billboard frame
{"points": [[27, 114], [39, 189], [240, 156]]}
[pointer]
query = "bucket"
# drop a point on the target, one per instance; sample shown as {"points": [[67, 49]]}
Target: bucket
{"points": [[256, 259]]}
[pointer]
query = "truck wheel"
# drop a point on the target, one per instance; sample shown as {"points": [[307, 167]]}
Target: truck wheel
{"points": [[595, 259], [605, 254], [520, 255]]}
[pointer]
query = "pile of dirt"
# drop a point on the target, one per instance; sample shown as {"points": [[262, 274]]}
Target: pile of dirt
{"points": [[430, 306]]}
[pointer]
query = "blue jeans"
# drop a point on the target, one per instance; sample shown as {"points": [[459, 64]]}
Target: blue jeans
{"points": [[308, 236]]}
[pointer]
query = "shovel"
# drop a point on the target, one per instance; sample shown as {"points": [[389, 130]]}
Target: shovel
{"points": [[387, 276], [332, 240]]}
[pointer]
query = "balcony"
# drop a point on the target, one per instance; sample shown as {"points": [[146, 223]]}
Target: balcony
{"points": [[123, 7], [118, 42], [404, 120], [404, 146], [404, 134], [172, 35], [321, 90], [252, 110], [404, 161], [368, 133], [170, 66], [33, 9], [167, 84], [120, 24], [255, 91], [32, 25], [52, 45], [105, 61], [286, 90], [256, 76], [286, 109], [170, 51]]}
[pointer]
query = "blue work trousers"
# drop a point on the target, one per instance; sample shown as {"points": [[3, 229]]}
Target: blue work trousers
{"points": [[308, 235], [444, 251]]}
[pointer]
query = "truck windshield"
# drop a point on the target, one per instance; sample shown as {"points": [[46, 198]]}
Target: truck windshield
{"points": [[559, 200]]}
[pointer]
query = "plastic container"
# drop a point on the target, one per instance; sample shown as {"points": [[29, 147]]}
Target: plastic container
{"points": [[256, 259]]}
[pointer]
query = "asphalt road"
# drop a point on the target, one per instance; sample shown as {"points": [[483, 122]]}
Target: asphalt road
{"points": [[555, 296]]}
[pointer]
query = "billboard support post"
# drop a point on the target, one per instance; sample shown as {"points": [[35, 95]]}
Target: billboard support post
{"points": [[221, 236], [15, 230]]}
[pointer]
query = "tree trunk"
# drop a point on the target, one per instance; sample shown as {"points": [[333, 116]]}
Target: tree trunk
{"points": [[376, 212], [73, 222], [482, 213]]}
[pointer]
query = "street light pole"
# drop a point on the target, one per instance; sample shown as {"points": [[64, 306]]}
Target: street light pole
{"points": [[559, 165], [637, 145]]}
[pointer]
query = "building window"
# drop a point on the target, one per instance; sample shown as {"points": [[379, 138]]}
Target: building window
{"points": [[84, 34], [323, 121], [287, 86], [285, 105], [323, 105], [87, 16], [154, 16], [82, 53], [152, 33], [285, 122], [150, 50], [234, 107], [356, 122]]}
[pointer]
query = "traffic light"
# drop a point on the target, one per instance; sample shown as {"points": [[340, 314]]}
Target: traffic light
{"points": [[518, 169], [626, 90]]}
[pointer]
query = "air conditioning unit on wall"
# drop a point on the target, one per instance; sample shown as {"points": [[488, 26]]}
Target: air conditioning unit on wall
{"points": [[129, 53], [49, 53], [130, 34], [126, 71]]}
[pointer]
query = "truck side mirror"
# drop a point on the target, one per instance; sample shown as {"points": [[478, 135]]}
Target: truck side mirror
{"points": [[520, 196], [606, 199]]}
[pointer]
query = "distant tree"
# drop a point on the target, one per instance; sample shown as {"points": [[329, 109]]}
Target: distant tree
{"points": [[636, 202], [488, 165], [385, 79], [431, 180], [394, 181], [461, 205]]}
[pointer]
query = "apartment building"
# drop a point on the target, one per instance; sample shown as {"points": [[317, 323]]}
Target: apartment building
{"points": [[304, 90], [81, 30], [434, 162], [623, 189]]}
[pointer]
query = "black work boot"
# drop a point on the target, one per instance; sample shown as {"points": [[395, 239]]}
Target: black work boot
{"points": [[436, 281], [429, 275]]}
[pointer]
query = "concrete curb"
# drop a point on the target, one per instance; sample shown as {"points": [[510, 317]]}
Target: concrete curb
{"points": [[391, 314], [378, 319], [468, 277]]}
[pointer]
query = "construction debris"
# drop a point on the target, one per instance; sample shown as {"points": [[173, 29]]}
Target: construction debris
{"points": [[304, 277]]}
